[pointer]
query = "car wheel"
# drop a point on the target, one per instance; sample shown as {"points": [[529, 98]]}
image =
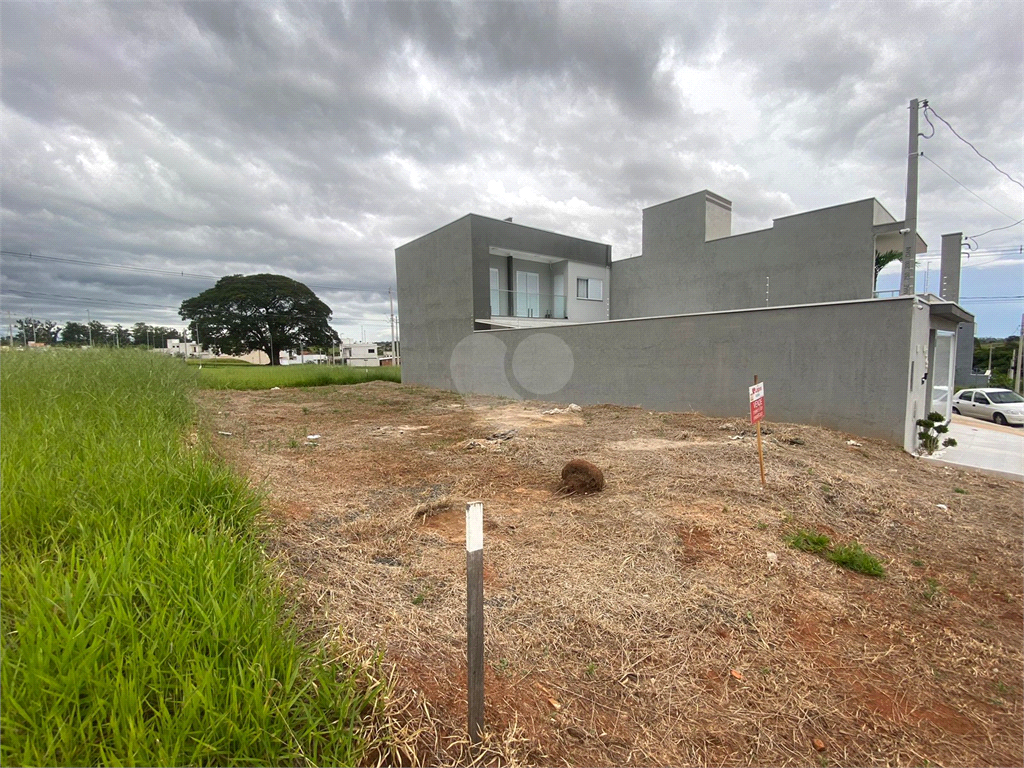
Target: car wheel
{"points": [[999, 419], [956, 410]]}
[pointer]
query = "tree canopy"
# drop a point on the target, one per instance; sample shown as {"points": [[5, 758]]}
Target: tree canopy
{"points": [[244, 313]]}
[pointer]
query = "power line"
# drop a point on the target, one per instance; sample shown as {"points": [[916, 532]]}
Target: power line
{"points": [[954, 178], [18, 292], [166, 272], [24, 294], [987, 231], [928, 108]]}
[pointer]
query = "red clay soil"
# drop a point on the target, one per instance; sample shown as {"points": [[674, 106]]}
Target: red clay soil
{"points": [[664, 620]]}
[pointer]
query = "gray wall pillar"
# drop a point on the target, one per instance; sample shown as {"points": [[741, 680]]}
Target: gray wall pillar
{"points": [[949, 276]]}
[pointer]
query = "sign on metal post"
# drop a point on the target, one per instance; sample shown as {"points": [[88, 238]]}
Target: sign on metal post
{"points": [[475, 618], [756, 416]]}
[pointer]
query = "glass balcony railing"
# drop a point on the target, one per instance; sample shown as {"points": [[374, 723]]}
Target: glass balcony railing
{"points": [[527, 304]]}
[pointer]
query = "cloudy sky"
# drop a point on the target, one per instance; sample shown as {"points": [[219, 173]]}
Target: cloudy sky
{"points": [[182, 142]]}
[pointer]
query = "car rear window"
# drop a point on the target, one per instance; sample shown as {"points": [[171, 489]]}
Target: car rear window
{"points": [[968, 395]]}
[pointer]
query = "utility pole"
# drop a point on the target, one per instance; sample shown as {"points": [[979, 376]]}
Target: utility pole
{"points": [[908, 282], [10, 327], [1020, 353], [394, 355], [32, 319], [88, 314]]}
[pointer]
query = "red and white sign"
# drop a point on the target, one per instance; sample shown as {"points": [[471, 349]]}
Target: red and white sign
{"points": [[756, 403]]}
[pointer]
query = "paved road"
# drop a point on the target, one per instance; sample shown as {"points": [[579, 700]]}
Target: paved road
{"points": [[985, 446]]}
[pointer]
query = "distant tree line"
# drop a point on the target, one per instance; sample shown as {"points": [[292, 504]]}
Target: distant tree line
{"points": [[71, 334], [1003, 351]]}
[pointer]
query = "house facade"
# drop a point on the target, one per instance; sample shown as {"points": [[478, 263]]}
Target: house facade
{"points": [[493, 307], [359, 354]]}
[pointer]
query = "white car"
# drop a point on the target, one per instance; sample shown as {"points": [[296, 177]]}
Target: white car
{"points": [[999, 405]]}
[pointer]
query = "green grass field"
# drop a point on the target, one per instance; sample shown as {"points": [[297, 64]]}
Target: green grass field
{"points": [[140, 623], [264, 376]]}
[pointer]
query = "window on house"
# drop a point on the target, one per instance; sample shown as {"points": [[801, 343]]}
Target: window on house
{"points": [[370, 352], [589, 288]]}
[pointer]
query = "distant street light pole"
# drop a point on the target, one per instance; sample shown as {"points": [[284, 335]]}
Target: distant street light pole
{"points": [[394, 356], [1020, 354]]}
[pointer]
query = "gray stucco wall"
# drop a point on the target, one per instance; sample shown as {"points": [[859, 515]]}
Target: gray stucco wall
{"points": [[840, 365], [819, 256], [488, 232], [436, 299]]}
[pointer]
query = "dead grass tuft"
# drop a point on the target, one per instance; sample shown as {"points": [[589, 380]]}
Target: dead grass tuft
{"points": [[580, 476]]}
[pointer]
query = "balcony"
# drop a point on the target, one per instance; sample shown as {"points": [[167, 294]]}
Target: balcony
{"points": [[525, 309]]}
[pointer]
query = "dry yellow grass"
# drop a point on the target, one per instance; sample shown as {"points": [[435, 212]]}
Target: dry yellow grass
{"points": [[646, 624]]}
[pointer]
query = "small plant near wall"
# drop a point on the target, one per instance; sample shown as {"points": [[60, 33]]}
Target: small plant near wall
{"points": [[931, 428]]}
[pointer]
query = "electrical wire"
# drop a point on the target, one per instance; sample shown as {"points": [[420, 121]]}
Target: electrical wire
{"points": [[987, 231], [167, 272], [954, 178], [928, 108], [25, 294]]}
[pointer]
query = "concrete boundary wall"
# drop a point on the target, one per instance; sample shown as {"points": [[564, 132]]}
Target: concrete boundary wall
{"points": [[839, 365]]}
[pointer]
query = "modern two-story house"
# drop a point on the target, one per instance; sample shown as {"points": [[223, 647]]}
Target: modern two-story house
{"points": [[494, 307]]}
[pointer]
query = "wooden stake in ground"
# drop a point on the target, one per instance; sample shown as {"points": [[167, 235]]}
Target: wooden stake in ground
{"points": [[475, 618], [756, 415]]}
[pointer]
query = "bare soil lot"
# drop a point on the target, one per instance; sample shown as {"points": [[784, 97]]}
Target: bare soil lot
{"points": [[663, 621]]}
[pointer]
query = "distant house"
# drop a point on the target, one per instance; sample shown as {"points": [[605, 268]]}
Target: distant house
{"points": [[183, 348], [359, 355], [493, 307]]}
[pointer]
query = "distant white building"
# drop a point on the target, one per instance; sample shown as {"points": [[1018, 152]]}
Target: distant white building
{"points": [[184, 348], [289, 357], [359, 355]]}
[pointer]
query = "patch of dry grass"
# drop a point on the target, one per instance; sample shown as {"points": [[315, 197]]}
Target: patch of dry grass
{"points": [[661, 621]]}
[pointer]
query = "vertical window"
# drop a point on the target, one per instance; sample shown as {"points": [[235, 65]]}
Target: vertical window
{"points": [[495, 293], [589, 288]]}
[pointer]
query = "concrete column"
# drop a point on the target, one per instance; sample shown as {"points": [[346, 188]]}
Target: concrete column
{"points": [[908, 281], [949, 277]]}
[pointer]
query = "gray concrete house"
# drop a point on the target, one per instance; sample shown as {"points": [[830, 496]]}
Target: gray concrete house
{"points": [[493, 307]]}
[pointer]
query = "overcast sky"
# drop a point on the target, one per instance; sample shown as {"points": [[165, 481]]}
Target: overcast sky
{"points": [[312, 139]]}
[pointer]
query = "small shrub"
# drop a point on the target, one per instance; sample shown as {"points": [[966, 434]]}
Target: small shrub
{"points": [[853, 557], [807, 541], [931, 590], [850, 556], [931, 428]]}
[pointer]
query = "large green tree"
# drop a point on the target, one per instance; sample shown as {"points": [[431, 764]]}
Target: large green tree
{"points": [[244, 313]]}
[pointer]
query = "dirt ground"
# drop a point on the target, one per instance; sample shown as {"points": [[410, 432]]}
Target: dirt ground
{"points": [[664, 620]]}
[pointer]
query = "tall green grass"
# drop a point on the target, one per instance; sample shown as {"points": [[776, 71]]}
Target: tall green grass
{"points": [[139, 623], [265, 376]]}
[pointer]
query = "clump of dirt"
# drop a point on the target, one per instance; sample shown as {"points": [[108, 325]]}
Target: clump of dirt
{"points": [[580, 476], [663, 621]]}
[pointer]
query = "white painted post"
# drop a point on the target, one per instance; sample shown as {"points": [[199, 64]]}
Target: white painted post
{"points": [[475, 618]]}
